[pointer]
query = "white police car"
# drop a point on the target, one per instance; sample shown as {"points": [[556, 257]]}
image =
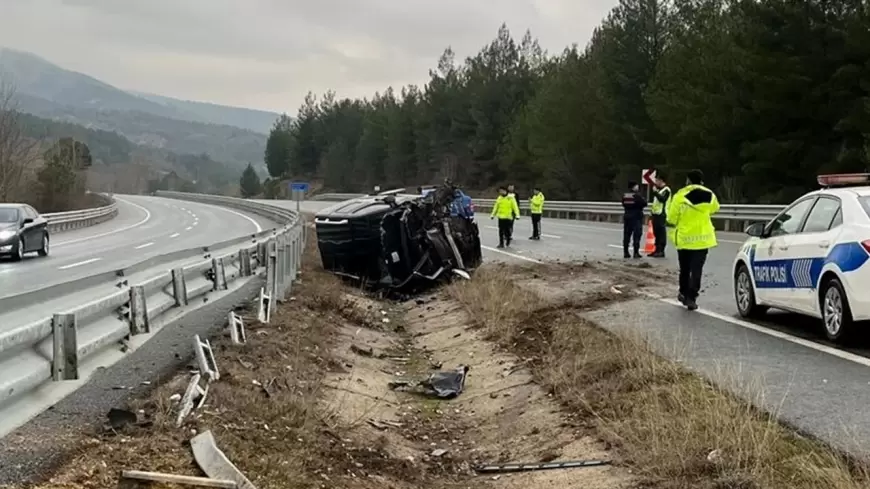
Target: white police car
{"points": [[812, 258]]}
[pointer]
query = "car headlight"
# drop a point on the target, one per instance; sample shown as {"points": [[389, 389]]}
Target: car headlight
{"points": [[4, 235]]}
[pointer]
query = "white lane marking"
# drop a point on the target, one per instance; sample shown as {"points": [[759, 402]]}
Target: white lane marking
{"points": [[78, 264], [615, 230], [250, 219], [174, 235], [143, 246], [126, 228], [618, 247], [188, 228], [542, 234], [512, 254], [774, 333]]}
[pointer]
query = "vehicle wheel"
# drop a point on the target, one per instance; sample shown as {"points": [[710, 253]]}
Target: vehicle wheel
{"points": [[744, 294], [44, 250], [836, 314], [19, 251]]}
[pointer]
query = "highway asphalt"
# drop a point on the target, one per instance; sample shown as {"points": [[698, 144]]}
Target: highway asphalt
{"points": [[781, 364], [144, 227]]}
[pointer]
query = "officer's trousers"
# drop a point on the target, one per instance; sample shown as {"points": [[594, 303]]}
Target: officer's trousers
{"points": [[632, 228], [660, 231], [691, 269], [536, 225], [505, 231]]}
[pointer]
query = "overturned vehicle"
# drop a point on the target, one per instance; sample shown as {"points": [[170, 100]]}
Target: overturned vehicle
{"points": [[400, 241]]}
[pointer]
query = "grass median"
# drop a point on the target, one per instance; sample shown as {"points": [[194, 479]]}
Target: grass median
{"points": [[672, 428]]}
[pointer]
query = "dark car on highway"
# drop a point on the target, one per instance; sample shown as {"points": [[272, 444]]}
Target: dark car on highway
{"points": [[22, 230]]}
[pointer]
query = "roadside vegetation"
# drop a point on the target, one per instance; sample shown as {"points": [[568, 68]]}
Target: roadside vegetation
{"points": [[672, 428]]}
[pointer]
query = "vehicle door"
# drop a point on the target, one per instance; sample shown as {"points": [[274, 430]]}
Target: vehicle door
{"points": [[30, 230], [772, 258], [810, 247]]}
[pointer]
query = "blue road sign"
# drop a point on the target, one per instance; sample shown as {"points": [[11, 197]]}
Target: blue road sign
{"points": [[299, 186]]}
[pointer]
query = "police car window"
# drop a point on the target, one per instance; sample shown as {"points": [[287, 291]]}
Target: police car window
{"points": [[822, 215], [789, 222], [838, 218]]}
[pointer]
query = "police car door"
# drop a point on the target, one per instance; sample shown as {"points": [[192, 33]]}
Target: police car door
{"points": [[773, 255], [808, 250]]}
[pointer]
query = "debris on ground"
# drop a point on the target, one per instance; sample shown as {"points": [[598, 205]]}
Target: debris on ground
{"points": [[440, 384], [187, 480]]}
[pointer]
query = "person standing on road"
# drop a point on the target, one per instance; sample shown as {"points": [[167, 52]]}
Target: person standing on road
{"points": [[661, 195], [632, 220], [689, 217], [511, 192], [536, 210], [506, 210]]}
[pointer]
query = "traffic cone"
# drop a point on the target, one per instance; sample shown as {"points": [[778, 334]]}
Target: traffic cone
{"points": [[650, 246]]}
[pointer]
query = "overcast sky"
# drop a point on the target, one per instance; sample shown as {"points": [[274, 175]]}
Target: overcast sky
{"points": [[268, 53]]}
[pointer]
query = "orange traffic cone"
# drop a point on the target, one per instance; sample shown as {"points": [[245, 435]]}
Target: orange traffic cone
{"points": [[650, 246]]}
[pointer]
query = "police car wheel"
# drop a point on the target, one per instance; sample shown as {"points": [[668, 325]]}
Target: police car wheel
{"points": [[836, 314], [744, 294]]}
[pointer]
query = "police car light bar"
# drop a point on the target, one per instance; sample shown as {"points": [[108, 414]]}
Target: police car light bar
{"points": [[843, 179]]}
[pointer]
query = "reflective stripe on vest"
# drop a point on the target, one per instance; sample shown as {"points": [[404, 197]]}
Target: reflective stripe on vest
{"points": [[658, 206]]}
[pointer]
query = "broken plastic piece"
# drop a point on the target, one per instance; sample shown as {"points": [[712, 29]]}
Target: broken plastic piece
{"points": [[440, 384]]}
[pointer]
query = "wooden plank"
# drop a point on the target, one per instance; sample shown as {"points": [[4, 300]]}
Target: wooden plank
{"points": [[177, 479]]}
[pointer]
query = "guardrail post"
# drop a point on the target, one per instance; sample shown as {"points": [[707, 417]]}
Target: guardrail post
{"points": [[272, 273], [65, 356], [281, 276], [219, 276], [297, 256], [245, 262], [179, 287], [263, 255], [139, 323]]}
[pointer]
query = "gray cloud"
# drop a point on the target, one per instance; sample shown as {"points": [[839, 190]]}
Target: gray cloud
{"points": [[269, 53]]}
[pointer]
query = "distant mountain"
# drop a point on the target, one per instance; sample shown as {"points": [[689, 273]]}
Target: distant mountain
{"points": [[255, 120], [222, 133], [37, 77]]}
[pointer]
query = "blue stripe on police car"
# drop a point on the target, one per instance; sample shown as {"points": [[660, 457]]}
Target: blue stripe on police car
{"points": [[804, 273]]}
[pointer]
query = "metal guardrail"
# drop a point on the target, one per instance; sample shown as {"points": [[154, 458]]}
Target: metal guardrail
{"points": [[729, 217], [65, 221], [54, 347]]}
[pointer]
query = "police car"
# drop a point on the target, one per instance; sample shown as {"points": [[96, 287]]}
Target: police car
{"points": [[812, 258]]}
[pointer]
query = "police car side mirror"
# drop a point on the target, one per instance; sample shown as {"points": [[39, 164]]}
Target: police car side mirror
{"points": [[756, 230]]}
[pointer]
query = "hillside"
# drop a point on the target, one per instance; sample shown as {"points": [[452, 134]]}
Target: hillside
{"points": [[254, 120], [120, 165], [51, 92]]}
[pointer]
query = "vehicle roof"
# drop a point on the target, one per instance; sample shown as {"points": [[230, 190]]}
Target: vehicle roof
{"points": [[11, 205]]}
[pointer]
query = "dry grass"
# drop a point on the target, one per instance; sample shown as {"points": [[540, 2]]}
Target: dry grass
{"points": [[265, 411], [671, 427]]}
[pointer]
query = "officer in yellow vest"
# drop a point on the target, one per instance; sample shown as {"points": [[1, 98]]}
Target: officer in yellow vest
{"points": [[536, 210], [661, 194], [506, 210], [689, 219]]}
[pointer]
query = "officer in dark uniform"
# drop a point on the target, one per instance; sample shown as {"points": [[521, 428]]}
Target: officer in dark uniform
{"points": [[632, 220]]}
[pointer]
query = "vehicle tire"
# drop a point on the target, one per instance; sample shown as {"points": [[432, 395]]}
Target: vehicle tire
{"points": [[19, 251], [45, 249], [836, 314], [744, 295]]}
